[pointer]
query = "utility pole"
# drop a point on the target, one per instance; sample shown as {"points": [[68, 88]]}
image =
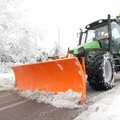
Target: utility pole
{"points": [[59, 35], [58, 43]]}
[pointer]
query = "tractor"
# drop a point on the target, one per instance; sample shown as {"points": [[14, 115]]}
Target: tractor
{"points": [[99, 44]]}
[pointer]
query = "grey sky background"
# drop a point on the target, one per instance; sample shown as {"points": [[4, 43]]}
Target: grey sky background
{"points": [[68, 15]]}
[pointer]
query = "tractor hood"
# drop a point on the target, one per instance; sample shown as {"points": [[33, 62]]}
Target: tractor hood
{"points": [[88, 45]]}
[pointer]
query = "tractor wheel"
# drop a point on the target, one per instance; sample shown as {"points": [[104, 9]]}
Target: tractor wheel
{"points": [[100, 70]]}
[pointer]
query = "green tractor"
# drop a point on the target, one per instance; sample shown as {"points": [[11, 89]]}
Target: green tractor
{"points": [[100, 45]]}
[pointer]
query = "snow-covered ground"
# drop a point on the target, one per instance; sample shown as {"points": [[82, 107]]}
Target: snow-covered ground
{"points": [[7, 81], [104, 106], [105, 109]]}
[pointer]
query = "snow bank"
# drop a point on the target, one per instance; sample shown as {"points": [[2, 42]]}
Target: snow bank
{"points": [[5, 67], [7, 81], [68, 99], [107, 108]]}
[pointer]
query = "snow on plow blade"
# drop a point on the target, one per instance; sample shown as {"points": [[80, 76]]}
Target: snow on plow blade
{"points": [[52, 76]]}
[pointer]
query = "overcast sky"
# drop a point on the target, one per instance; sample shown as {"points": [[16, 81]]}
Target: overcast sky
{"points": [[69, 15]]}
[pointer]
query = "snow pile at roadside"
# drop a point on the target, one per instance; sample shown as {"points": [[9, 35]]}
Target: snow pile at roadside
{"points": [[5, 67], [107, 108], [68, 99], [7, 81]]}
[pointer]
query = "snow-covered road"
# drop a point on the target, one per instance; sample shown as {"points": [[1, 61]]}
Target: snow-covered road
{"points": [[103, 106], [100, 105], [106, 106]]}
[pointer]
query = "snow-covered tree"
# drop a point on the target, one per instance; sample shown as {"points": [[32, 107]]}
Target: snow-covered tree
{"points": [[56, 50], [17, 41], [8, 26]]}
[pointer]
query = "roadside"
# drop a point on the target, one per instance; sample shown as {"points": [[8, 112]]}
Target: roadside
{"points": [[7, 81], [104, 106]]}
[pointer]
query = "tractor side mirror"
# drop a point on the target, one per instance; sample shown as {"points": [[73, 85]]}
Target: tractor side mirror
{"points": [[80, 36]]}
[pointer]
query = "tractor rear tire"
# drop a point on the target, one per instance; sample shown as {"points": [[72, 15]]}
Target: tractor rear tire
{"points": [[100, 70]]}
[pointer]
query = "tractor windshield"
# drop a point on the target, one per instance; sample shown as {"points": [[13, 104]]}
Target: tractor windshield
{"points": [[97, 33]]}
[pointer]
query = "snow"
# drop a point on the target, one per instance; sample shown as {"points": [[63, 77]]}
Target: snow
{"points": [[68, 99], [105, 106], [7, 81], [7, 75], [105, 109], [5, 67]]}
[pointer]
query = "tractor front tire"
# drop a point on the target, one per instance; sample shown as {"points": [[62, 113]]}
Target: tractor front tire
{"points": [[100, 70]]}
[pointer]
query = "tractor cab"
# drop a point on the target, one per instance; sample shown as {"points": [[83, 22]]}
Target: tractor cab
{"points": [[106, 32]]}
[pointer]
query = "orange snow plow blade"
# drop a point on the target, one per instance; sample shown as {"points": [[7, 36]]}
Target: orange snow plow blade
{"points": [[52, 76]]}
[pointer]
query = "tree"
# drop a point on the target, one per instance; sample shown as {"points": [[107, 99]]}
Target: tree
{"points": [[57, 50], [17, 41]]}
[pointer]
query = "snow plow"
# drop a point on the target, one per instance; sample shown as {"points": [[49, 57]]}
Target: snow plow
{"points": [[55, 76]]}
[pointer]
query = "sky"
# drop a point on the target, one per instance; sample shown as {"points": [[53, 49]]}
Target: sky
{"points": [[63, 18]]}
